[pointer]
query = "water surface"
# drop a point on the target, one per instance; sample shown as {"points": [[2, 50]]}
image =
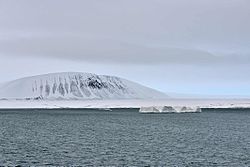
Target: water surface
{"points": [[124, 137]]}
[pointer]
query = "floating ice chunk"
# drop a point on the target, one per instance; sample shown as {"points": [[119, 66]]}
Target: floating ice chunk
{"points": [[149, 109], [169, 109], [157, 109], [190, 109]]}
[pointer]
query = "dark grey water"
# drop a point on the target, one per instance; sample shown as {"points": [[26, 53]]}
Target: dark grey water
{"points": [[124, 138]]}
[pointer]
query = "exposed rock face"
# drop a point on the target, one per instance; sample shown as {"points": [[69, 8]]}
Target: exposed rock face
{"points": [[76, 86]]}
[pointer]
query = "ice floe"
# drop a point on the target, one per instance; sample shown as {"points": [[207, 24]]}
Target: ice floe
{"points": [[169, 109]]}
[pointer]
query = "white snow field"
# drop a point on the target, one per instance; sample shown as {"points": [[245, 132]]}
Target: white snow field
{"points": [[125, 103], [75, 85]]}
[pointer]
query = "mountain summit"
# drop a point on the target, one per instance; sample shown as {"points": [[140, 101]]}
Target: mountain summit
{"points": [[75, 85]]}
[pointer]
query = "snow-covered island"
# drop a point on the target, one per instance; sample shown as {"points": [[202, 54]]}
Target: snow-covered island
{"points": [[76, 86], [85, 90]]}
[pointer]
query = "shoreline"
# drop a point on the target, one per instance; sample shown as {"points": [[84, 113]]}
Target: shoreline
{"points": [[124, 104]]}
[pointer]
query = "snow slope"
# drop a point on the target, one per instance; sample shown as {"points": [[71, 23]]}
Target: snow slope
{"points": [[75, 85]]}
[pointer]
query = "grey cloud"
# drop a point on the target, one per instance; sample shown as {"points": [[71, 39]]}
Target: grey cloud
{"points": [[133, 31], [208, 24], [111, 51], [104, 51]]}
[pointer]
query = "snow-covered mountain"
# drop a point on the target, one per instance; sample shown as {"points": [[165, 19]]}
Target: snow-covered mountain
{"points": [[75, 85]]}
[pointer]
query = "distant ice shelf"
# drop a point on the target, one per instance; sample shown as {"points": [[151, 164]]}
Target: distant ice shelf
{"points": [[164, 105]]}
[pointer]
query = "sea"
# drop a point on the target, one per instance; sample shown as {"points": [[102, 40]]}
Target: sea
{"points": [[124, 137]]}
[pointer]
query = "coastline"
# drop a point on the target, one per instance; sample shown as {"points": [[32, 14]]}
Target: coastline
{"points": [[135, 103]]}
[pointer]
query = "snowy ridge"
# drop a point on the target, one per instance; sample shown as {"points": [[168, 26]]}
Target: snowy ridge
{"points": [[74, 85]]}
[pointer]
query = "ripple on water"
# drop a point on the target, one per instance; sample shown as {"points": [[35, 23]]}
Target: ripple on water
{"points": [[125, 137]]}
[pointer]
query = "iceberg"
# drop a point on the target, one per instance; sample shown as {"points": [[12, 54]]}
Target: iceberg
{"points": [[190, 109], [169, 109]]}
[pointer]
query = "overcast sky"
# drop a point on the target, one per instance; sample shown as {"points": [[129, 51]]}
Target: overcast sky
{"points": [[183, 46]]}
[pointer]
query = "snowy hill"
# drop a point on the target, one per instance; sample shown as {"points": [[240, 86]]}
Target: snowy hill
{"points": [[74, 85]]}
